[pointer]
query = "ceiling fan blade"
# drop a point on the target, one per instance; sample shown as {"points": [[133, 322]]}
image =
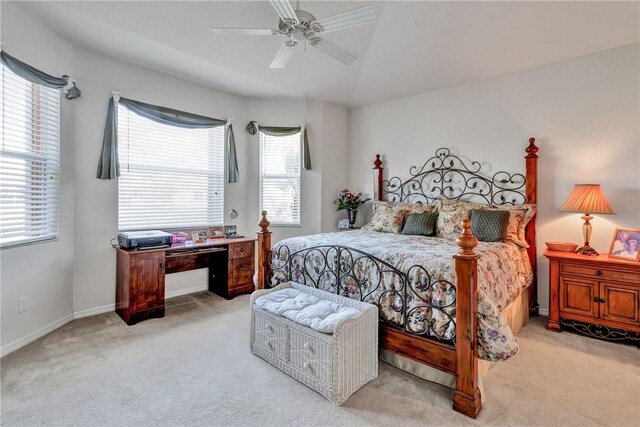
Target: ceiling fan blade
{"points": [[284, 10], [242, 31], [282, 57], [336, 52], [352, 18]]}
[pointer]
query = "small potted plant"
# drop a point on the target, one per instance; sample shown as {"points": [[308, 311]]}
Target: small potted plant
{"points": [[350, 201]]}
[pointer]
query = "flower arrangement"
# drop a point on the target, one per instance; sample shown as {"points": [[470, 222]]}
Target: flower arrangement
{"points": [[350, 200]]}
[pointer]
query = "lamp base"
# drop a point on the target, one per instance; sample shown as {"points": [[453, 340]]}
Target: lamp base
{"points": [[586, 250]]}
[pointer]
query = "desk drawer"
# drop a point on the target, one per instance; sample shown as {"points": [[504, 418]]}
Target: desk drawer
{"points": [[241, 250], [241, 271], [600, 273], [187, 260]]}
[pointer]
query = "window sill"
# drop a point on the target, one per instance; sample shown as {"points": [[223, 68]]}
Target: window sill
{"points": [[28, 243], [285, 225]]}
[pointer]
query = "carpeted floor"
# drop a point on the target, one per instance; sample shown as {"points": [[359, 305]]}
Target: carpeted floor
{"points": [[194, 368]]}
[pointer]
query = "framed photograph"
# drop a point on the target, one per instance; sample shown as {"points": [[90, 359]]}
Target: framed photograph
{"points": [[626, 244], [216, 232], [230, 230], [199, 236], [343, 223]]}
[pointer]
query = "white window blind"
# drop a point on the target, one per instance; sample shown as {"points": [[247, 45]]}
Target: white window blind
{"points": [[29, 161], [280, 178], [171, 177]]}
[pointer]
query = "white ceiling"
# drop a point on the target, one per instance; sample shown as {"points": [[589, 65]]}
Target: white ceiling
{"points": [[414, 47]]}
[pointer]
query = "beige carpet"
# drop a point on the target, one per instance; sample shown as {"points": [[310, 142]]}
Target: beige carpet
{"points": [[194, 368]]}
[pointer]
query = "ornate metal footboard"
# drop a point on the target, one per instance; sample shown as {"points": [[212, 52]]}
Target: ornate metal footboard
{"points": [[426, 320], [411, 301]]}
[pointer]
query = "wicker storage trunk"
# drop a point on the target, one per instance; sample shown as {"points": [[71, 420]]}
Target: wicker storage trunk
{"points": [[335, 365]]}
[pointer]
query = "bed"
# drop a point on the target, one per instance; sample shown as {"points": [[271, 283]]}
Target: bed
{"points": [[444, 304]]}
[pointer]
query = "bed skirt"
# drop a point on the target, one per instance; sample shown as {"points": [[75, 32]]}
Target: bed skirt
{"points": [[516, 315]]}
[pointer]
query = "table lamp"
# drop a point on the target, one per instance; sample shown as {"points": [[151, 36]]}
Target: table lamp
{"points": [[587, 199]]}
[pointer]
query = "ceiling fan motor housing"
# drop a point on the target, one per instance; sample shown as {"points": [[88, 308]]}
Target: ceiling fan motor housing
{"points": [[306, 29]]}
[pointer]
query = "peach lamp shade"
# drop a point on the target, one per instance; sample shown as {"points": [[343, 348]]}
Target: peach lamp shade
{"points": [[587, 199]]}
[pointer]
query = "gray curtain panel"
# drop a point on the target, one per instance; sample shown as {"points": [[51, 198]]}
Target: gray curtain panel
{"points": [[253, 127], [108, 167], [36, 76], [232, 160]]}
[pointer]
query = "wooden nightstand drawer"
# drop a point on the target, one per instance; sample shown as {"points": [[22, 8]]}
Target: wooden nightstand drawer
{"points": [[600, 273], [241, 250]]}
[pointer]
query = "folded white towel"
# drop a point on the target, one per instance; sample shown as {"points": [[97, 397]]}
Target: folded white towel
{"points": [[305, 309]]}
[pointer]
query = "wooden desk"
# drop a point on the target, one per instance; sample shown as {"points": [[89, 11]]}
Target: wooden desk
{"points": [[140, 274]]}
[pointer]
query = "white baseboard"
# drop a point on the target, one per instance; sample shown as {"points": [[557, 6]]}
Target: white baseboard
{"points": [[21, 342], [111, 307], [543, 311], [185, 291], [93, 311]]}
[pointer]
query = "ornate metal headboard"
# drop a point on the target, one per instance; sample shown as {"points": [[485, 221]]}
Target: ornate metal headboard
{"points": [[448, 174]]}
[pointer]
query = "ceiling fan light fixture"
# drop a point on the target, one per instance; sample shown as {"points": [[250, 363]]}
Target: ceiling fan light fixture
{"points": [[301, 27], [298, 35]]}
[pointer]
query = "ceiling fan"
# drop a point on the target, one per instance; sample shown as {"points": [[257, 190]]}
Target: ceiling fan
{"points": [[302, 27]]}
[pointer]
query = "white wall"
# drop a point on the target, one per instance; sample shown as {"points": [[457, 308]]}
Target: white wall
{"points": [[584, 113], [75, 276], [96, 202], [335, 166], [42, 272], [327, 129]]}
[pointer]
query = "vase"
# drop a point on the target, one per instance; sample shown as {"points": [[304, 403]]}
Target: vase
{"points": [[352, 214]]}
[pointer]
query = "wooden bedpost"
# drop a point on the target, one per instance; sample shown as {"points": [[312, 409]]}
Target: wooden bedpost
{"points": [[377, 178], [531, 193], [466, 399], [264, 249]]}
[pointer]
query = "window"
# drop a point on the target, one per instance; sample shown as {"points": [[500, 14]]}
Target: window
{"points": [[29, 161], [280, 178], [171, 177]]}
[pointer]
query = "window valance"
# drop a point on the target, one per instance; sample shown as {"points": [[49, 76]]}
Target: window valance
{"points": [[33, 75], [253, 127], [108, 167]]}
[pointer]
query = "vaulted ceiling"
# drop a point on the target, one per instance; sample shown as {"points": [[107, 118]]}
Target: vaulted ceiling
{"points": [[414, 47]]}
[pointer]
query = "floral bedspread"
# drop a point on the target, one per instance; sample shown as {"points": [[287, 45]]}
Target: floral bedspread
{"points": [[426, 304]]}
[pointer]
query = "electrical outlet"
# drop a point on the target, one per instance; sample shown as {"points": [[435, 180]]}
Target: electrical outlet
{"points": [[22, 304]]}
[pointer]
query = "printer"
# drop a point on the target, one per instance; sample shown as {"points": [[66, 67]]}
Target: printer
{"points": [[150, 239]]}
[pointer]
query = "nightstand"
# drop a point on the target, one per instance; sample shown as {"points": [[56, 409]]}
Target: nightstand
{"points": [[595, 295]]}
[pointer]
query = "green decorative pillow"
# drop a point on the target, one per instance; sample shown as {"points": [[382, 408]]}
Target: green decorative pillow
{"points": [[489, 225], [423, 224]]}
